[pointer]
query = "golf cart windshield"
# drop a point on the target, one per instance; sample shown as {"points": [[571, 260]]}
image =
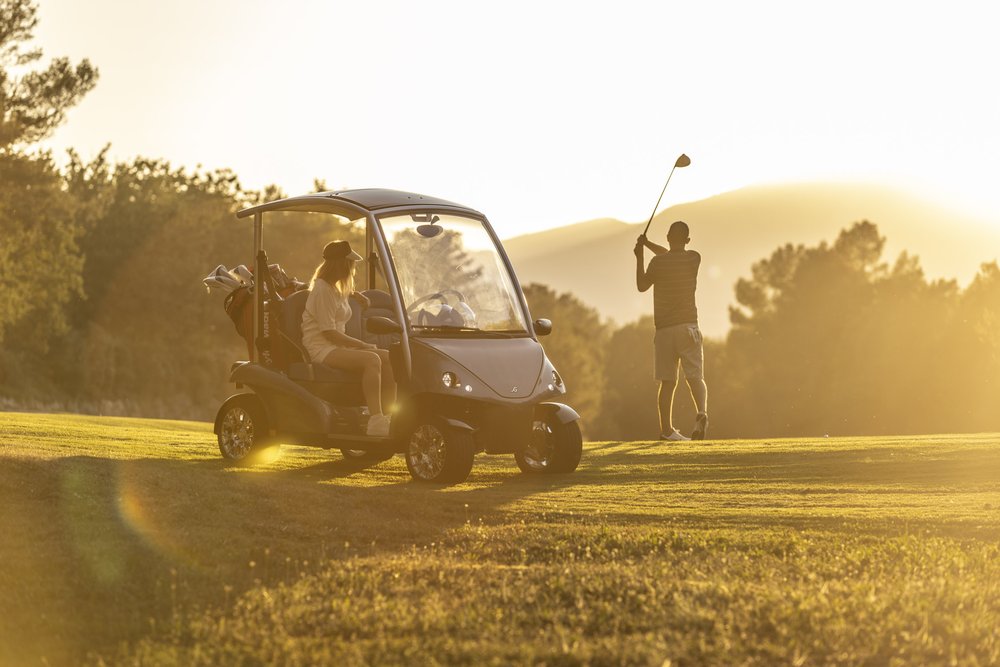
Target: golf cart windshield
{"points": [[451, 276]]}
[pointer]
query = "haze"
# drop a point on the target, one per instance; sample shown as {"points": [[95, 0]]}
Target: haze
{"points": [[544, 114]]}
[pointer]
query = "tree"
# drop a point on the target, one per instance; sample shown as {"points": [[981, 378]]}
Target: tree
{"points": [[976, 372], [628, 399], [831, 339], [40, 262], [576, 346], [33, 104]]}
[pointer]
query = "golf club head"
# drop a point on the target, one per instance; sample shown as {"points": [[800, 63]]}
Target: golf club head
{"points": [[213, 282], [279, 276], [682, 161], [243, 272], [221, 277]]}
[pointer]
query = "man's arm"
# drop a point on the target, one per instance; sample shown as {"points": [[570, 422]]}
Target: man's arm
{"points": [[642, 280], [657, 249]]}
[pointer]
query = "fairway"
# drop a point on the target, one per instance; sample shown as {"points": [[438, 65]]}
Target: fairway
{"points": [[130, 541]]}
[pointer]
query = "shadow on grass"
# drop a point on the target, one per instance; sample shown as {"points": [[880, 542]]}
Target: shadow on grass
{"points": [[925, 465], [137, 544]]}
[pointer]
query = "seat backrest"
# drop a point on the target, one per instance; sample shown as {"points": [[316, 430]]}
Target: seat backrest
{"points": [[354, 327], [381, 306], [291, 320], [291, 324]]}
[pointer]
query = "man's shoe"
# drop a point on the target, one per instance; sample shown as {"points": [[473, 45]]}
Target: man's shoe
{"points": [[378, 426], [700, 427], [674, 436]]}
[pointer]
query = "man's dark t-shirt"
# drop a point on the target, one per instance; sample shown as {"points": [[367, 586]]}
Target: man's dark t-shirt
{"points": [[675, 278]]}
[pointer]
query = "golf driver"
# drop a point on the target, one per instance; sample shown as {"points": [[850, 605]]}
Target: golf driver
{"points": [[682, 161]]}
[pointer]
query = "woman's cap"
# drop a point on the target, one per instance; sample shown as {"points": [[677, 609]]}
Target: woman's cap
{"points": [[340, 250]]}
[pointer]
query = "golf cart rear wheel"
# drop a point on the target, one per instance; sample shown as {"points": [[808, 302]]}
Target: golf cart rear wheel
{"points": [[554, 447], [439, 453], [243, 427], [367, 455]]}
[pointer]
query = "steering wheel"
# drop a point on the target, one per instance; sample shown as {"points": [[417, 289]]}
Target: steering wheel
{"points": [[440, 296]]}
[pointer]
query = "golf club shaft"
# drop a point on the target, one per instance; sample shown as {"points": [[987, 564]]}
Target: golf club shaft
{"points": [[653, 214]]}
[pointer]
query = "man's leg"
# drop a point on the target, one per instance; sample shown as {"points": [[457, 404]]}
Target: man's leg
{"points": [[693, 361], [699, 392], [665, 404], [665, 362]]}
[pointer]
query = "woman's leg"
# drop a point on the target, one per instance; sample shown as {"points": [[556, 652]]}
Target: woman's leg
{"points": [[388, 381], [370, 365]]}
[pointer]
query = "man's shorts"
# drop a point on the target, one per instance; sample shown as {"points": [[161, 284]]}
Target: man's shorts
{"points": [[681, 342]]}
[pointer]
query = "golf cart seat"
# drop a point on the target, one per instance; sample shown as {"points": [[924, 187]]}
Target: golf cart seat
{"points": [[333, 384], [381, 306]]}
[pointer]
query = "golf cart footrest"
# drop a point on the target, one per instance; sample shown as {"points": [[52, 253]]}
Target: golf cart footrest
{"points": [[321, 373]]}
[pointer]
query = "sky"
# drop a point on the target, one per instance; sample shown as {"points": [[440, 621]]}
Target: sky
{"points": [[542, 114]]}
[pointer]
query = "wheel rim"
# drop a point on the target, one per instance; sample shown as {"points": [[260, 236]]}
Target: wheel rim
{"points": [[237, 433], [427, 451], [538, 453]]}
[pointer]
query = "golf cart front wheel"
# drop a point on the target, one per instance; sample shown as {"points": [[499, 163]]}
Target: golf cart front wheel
{"points": [[437, 452], [554, 447], [243, 427]]}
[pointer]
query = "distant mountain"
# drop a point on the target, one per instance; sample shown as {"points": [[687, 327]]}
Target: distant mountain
{"points": [[594, 260]]}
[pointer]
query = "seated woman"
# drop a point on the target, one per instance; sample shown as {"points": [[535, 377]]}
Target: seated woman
{"points": [[323, 324]]}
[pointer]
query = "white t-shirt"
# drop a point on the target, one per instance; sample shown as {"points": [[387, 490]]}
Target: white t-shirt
{"points": [[326, 310]]}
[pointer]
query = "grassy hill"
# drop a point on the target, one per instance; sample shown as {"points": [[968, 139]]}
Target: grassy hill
{"points": [[132, 540], [594, 261]]}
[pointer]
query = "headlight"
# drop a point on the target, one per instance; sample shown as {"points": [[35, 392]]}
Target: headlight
{"points": [[556, 380], [449, 380]]}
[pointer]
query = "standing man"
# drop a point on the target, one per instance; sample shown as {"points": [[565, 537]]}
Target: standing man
{"points": [[673, 275]]}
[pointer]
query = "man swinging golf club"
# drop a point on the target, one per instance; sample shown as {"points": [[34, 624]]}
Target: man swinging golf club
{"points": [[673, 275]]}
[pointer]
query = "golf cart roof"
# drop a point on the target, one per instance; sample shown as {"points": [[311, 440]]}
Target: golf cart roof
{"points": [[354, 204]]}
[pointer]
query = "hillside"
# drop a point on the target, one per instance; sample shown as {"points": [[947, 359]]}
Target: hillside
{"points": [[132, 540], [594, 259]]}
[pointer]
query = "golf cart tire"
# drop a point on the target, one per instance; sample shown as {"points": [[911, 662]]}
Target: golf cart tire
{"points": [[565, 449], [451, 466], [367, 455], [242, 428]]}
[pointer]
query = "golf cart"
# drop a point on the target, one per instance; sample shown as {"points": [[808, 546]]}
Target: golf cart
{"points": [[471, 374]]}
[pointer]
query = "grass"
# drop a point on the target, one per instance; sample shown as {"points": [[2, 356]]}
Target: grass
{"points": [[131, 542]]}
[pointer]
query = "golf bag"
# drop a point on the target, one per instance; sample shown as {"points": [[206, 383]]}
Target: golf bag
{"points": [[239, 308]]}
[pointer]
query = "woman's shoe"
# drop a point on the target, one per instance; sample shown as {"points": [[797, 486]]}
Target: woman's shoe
{"points": [[378, 426]]}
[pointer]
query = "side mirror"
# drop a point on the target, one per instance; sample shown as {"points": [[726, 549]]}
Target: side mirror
{"points": [[382, 325], [542, 327]]}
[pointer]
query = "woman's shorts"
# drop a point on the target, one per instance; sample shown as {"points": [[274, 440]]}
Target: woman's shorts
{"points": [[318, 351]]}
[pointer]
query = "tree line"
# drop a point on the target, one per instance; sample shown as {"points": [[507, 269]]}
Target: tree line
{"points": [[101, 307], [830, 339]]}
